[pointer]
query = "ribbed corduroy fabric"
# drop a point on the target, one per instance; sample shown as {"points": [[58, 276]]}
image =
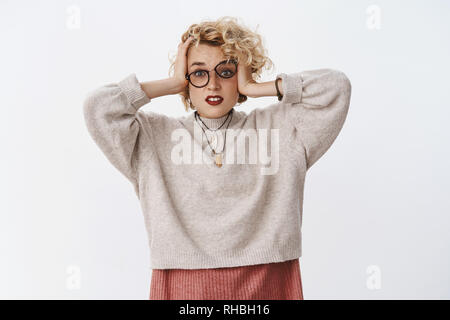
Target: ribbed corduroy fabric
{"points": [[270, 281]]}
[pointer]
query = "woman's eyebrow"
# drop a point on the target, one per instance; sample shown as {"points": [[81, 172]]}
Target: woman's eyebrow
{"points": [[197, 63]]}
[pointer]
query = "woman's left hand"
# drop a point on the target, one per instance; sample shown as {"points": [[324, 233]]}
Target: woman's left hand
{"points": [[246, 84]]}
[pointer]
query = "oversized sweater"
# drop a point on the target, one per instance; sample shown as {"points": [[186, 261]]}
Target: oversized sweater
{"points": [[247, 211]]}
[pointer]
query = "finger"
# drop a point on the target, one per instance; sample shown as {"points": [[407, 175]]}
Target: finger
{"points": [[184, 42], [187, 43], [190, 39], [183, 45]]}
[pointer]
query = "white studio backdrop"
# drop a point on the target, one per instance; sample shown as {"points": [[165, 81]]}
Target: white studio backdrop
{"points": [[376, 205]]}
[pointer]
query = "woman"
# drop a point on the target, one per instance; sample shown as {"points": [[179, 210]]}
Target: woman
{"points": [[223, 216]]}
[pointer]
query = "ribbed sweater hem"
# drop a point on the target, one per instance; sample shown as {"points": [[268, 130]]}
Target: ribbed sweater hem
{"points": [[191, 260]]}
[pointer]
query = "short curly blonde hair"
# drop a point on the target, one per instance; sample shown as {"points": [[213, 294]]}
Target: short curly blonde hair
{"points": [[235, 40]]}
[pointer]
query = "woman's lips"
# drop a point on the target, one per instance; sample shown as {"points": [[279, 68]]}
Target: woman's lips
{"points": [[214, 103]]}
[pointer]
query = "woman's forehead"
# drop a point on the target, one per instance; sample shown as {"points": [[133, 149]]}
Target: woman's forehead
{"points": [[205, 54]]}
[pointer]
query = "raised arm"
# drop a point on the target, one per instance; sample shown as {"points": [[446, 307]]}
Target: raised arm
{"points": [[317, 103], [110, 114], [113, 121], [112, 117]]}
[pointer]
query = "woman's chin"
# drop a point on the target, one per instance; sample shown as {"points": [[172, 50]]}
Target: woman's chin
{"points": [[214, 111]]}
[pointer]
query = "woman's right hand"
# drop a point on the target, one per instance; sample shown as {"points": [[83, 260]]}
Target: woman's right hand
{"points": [[180, 67]]}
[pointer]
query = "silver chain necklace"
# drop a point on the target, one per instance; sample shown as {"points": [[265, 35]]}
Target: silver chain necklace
{"points": [[217, 155]]}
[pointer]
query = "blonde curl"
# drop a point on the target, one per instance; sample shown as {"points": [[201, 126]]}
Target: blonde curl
{"points": [[236, 41]]}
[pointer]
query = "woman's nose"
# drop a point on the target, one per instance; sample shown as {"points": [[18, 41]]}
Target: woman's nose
{"points": [[214, 80]]}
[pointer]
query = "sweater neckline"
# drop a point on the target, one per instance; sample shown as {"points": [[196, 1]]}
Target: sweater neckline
{"points": [[214, 123]]}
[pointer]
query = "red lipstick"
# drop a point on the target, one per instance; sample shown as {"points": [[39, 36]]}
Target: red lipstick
{"points": [[216, 100]]}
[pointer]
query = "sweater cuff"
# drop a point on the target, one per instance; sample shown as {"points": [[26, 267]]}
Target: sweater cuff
{"points": [[133, 90], [292, 86]]}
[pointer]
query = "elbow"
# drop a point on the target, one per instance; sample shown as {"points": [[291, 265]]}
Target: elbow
{"points": [[343, 87], [345, 90], [343, 82], [93, 101], [90, 103]]}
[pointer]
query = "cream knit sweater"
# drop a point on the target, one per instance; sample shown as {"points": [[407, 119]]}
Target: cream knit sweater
{"points": [[248, 211]]}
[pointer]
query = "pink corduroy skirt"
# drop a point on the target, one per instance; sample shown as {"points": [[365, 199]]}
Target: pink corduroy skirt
{"points": [[271, 281]]}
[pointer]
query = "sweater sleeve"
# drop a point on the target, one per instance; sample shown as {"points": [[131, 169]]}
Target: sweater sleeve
{"points": [[111, 117], [317, 104]]}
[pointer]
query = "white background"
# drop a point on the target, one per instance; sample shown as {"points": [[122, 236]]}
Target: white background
{"points": [[71, 226]]}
